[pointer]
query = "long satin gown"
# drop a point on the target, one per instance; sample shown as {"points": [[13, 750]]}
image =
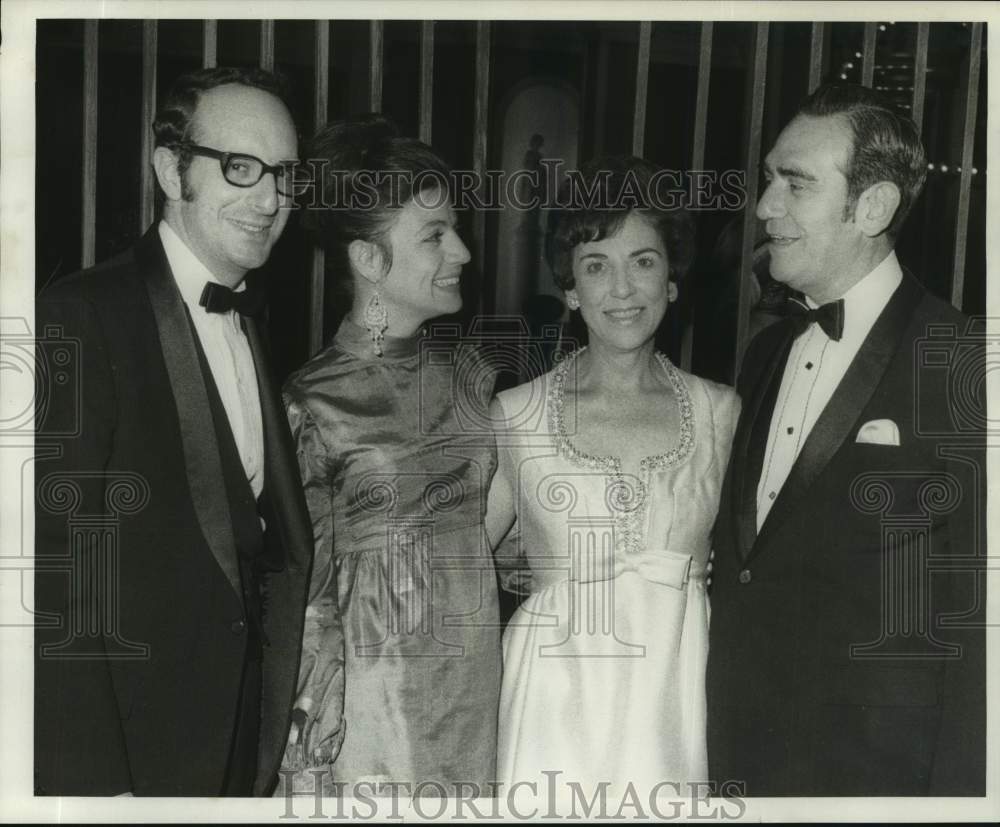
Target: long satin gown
{"points": [[604, 661], [401, 657]]}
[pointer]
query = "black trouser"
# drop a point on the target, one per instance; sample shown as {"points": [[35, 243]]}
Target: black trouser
{"points": [[241, 769]]}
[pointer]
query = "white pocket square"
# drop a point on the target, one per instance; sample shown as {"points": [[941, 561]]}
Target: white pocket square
{"points": [[879, 432]]}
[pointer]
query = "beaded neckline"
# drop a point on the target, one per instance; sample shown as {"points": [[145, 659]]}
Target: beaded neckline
{"points": [[612, 464]]}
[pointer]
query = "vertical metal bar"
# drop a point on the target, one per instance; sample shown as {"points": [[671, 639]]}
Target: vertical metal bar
{"points": [[426, 79], [701, 96], [267, 45], [965, 177], [816, 55], [601, 95], [317, 274], [377, 37], [321, 74], [479, 139], [641, 88], [920, 75], [753, 174], [773, 107], [146, 188], [210, 44], [698, 153], [89, 190], [868, 55]]}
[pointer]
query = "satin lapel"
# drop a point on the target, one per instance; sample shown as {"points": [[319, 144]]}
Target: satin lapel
{"points": [[839, 418], [287, 578], [283, 482], [201, 450], [751, 437]]}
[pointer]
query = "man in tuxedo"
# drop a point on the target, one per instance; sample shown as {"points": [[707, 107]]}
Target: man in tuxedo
{"points": [[846, 653], [173, 546]]}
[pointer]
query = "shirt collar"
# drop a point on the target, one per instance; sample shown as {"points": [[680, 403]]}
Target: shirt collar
{"points": [[867, 299], [188, 271]]}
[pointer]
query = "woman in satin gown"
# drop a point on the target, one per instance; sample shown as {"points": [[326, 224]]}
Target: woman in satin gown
{"points": [[400, 671], [610, 468]]}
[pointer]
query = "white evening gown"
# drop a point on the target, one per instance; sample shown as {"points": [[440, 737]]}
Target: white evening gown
{"points": [[604, 661]]}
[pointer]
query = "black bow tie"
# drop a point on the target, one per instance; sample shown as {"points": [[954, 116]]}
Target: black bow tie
{"points": [[217, 298], [829, 316]]}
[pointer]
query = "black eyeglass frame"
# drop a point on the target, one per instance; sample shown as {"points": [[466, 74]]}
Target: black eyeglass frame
{"points": [[224, 158]]}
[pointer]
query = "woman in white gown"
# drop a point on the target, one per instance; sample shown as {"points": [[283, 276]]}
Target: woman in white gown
{"points": [[608, 482]]}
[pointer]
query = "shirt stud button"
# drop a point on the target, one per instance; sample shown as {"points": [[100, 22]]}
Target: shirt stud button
{"points": [[745, 576]]}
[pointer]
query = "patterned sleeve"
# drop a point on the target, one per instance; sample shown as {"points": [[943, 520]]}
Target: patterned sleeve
{"points": [[320, 697]]}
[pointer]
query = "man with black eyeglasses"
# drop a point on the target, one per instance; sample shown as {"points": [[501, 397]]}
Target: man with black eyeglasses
{"points": [[167, 646]]}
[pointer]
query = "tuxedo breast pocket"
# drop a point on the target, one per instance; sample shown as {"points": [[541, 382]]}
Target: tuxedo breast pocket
{"points": [[878, 432]]}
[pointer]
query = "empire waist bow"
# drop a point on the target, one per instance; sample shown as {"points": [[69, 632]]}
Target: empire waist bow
{"points": [[669, 568]]}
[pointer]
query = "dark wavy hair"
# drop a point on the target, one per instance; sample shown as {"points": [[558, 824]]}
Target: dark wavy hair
{"points": [[174, 122], [886, 145], [623, 184], [364, 173]]}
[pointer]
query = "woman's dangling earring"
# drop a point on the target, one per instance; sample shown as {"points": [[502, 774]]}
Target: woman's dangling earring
{"points": [[572, 302], [376, 320]]}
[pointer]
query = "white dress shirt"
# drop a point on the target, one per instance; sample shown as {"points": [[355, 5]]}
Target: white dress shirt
{"points": [[815, 366], [228, 353]]}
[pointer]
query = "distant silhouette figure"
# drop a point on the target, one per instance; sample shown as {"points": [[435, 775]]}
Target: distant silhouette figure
{"points": [[529, 229]]}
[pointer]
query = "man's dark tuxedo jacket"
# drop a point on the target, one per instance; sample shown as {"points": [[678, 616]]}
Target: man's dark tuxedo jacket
{"points": [[141, 507], [822, 679]]}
